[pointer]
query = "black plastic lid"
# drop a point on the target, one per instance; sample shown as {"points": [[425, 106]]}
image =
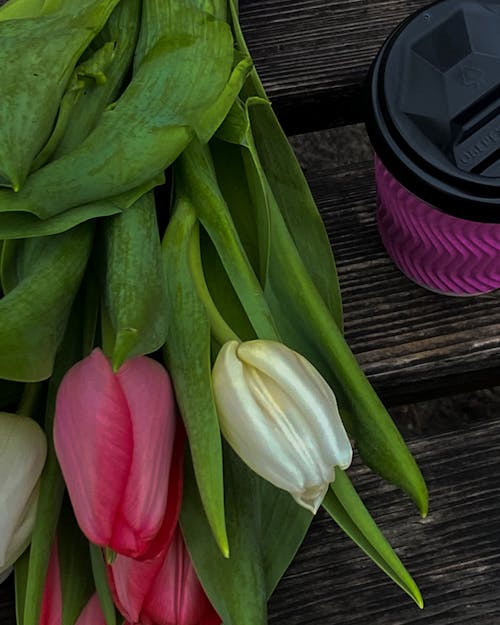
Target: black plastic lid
{"points": [[434, 107]]}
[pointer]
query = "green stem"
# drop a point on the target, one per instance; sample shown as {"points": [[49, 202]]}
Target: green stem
{"points": [[29, 399], [257, 87], [197, 181], [221, 331], [101, 584], [20, 579], [108, 337]]}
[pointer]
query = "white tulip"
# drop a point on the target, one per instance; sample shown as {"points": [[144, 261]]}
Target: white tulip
{"points": [[23, 449], [281, 417]]}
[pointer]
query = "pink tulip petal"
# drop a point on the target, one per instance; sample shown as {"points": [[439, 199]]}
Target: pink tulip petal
{"points": [[130, 581], [176, 596], [91, 613], [149, 395], [51, 611], [174, 500], [93, 438]]}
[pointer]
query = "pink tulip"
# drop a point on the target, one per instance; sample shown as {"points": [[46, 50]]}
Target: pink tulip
{"points": [[163, 591], [51, 611], [114, 435], [92, 613]]}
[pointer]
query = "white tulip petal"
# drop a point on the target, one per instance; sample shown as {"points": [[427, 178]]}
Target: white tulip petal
{"points": [[297, 377], [311, 498], [23, 450], [281, 418], [21, 537], [288, 425], [253, 438]]}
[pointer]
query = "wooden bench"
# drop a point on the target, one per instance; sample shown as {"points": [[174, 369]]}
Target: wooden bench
{"points": [[313, 56]]}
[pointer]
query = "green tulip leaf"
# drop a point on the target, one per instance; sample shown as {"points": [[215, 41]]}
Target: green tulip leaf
{"points": [[343, 504], [20, 578], [235, 586], [297, 205], [265, 529], [225, 303], [120, 33], [196, 180], [44, 276], [187, 353], [101, 584], [24, 225], [186, 82], [236, 125], [242, 186], [38, 55], [134, 284], [284, 525], [89, 71], [89, 296], [289, 185], [21, 9]]}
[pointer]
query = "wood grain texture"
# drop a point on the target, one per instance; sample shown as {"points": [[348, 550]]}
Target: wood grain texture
{"points": [[412, 343], [313, 55], [454, 554]]}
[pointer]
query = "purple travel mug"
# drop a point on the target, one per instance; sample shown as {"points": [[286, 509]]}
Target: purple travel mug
{"points": [[434, 122]]}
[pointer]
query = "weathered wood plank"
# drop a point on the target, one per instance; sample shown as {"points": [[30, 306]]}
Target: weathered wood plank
{"points": [[411, 343], [454, 554], [313, 55], [444, 414]]}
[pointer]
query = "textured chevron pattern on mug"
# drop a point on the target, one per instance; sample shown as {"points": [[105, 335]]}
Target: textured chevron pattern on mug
{"points": [[438, 251]]}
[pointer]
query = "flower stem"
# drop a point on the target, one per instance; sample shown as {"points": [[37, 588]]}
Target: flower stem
{"points": [[221, 331], [29, 399]]}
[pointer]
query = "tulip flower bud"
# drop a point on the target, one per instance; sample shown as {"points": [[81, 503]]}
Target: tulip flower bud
{"points": [[163, 591], [114, 438], [281, 417], [23, 449]]}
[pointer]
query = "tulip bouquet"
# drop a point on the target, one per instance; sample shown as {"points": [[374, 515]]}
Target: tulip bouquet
{"points": [[153, 219]]}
